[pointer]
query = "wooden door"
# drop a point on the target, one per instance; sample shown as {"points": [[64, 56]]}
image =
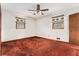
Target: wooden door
{"points": [[74, 28], [0, 29]]}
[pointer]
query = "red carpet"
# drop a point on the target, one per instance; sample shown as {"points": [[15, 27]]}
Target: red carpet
{"points": [[37, 46]]}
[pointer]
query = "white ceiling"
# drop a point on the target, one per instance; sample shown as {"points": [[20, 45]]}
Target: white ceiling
{"points": [[22, 8]]}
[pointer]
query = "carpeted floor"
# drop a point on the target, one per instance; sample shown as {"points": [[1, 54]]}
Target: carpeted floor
{"points": [[37, 46]]}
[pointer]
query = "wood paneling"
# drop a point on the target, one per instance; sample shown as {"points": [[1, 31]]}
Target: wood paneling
{"points": [[38, 46], [74, 28]]}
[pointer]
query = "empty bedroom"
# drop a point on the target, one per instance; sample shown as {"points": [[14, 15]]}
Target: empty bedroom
{"points": [[39, 29]]}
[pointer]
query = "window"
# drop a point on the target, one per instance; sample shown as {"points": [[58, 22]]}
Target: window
{"points": [[20, 23]]}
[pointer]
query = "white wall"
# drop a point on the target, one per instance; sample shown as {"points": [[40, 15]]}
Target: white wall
{"points": [[41, 27], [9, 31], [44, 25], [44, 29]]}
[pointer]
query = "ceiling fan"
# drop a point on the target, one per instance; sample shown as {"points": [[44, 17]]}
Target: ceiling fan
{"points": [[38, 10]]}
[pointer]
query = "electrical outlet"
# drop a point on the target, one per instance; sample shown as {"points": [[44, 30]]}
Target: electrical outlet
{"points": [[58, 38], [48, 35]]}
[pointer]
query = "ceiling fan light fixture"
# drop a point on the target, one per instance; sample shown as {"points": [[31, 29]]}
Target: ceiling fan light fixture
{"points": [[39, 13], [34, 14], [42, 13]]}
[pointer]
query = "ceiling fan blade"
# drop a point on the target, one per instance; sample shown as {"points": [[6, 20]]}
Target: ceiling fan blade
{"points": [[32, 10], [44, 10]]}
